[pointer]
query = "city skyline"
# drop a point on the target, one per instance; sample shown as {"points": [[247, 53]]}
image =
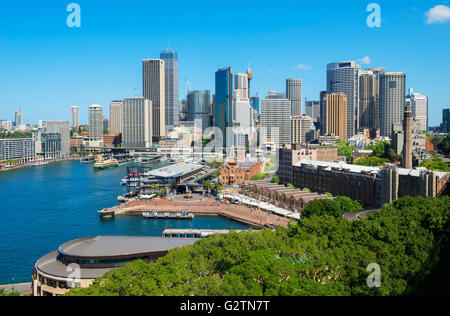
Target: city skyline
{"points": [[61, 78]]}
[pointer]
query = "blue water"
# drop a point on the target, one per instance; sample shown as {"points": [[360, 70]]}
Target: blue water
{"points": [[43, 207]]}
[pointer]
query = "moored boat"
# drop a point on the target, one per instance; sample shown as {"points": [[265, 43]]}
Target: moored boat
{"points": [[105, 164]]}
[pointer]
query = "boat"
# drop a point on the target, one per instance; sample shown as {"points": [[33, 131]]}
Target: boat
{"points": [[169, 215], [101, 164]]}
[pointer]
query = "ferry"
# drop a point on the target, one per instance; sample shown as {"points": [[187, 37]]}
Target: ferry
{"points": [[105, 164]]}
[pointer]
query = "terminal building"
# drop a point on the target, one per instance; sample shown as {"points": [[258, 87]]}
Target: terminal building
{"points": [[79, 262]]}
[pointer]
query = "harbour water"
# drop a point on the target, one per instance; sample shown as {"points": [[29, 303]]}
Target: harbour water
{"points": [[43, 207]]}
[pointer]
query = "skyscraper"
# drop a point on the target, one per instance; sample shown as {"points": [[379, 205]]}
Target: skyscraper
{"points": [[377, 73], [96, 125], [294, 94], [392, 91], [312, 109], [137, 123], [170, 58], [62, 128], [419, 106], [367, 100], [302, 129], [276, 121], [445, 126], [155, 91], [74, 116], [342, 77], [224, 101], [198, 107], [336, 115], [18, 118], [115, 117]]}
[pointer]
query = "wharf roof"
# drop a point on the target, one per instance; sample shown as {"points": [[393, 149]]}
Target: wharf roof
{"points": [[115, 246], [176, 170]]}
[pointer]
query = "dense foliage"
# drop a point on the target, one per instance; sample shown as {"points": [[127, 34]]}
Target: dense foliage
{"points": [[320, 255], [383, 150], [335, 207], [4, 293], [435, 164], [13, 135], [371, 162], [345, 150], [258, 176]]}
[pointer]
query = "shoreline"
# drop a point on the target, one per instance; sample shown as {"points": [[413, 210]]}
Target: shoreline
{"points": [[28, 166]]}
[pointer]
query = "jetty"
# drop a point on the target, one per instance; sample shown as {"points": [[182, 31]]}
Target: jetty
{"points": [[168, 215], [207, 207]]}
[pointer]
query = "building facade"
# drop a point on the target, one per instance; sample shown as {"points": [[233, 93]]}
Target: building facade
{"points": [[95, 126], [302, 130], [367, 100], [419, 106], [342, 77], [116, 117], [294, 94], [392, 91], [312, 109], [154, 81], [198, 107], [137, 123], [236, 173], [223, 107], [74, 116], [445, 126], [22, 149], [275, 121], [336, 122], [170, 58]]}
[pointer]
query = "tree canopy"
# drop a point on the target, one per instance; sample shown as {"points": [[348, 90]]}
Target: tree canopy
{"points": [[318, 255]]}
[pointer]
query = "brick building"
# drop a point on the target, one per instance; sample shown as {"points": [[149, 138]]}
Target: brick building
{"points": [[236, 173]]}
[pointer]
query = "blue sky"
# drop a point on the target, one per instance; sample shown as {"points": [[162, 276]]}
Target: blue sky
{"points": [[45, 66]]}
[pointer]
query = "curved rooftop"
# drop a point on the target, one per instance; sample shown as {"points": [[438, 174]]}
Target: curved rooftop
{"points": [[115, 246]]}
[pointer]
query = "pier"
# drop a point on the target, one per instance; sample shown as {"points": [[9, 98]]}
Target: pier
{"points": [[207, 207]]}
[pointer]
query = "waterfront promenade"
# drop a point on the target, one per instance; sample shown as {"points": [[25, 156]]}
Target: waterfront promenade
{"points": [[206, 207]]}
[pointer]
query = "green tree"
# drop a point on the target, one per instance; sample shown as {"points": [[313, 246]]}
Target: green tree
{"points": [[345, 150], [371, 161], [276, 179]]}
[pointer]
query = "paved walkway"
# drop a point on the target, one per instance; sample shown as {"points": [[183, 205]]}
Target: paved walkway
{"points": [[208, 206], [23, 288]]}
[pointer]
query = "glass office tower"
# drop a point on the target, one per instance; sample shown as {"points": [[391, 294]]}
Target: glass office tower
{"points": [[224, 100]]}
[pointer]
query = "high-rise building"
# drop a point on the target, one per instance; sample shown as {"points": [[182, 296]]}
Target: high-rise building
{"points": [[96, 125], [302, 129], [275, 121], [294, 94], [255, 103], [63, 128], [336, 115], [224, 101], [170, 58], [367, 100], [445, 126], [312, 109], [18, 118], [419, 106], [115, 117], [342, 77], [137, 123], [243, 119], [74, 116], [198, 107], [241, 86], [6, 125], [392, 91], [155, 91], [377, 73]]}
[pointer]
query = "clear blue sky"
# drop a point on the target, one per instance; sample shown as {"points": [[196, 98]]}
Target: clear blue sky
{"points": [[45, 67]]}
